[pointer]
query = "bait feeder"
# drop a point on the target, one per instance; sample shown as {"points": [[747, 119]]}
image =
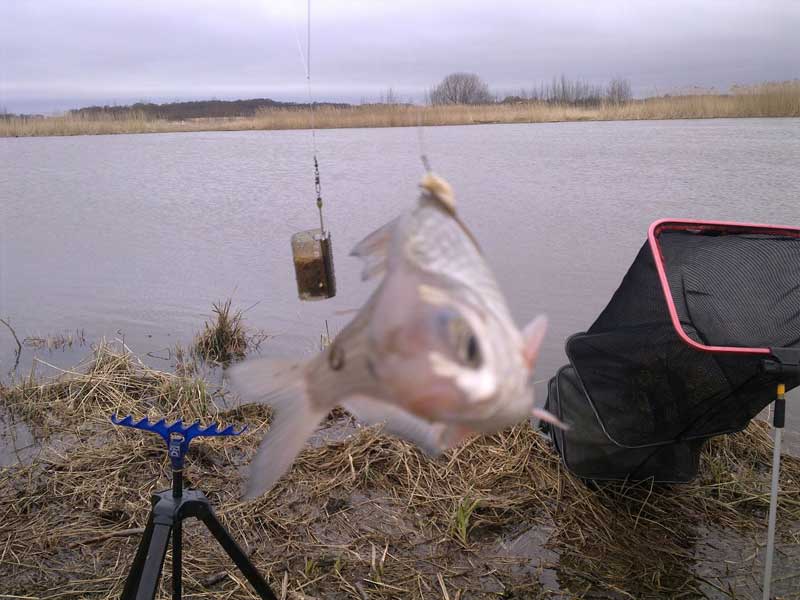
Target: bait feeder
{"points": [[312, 253], [701, 336]]}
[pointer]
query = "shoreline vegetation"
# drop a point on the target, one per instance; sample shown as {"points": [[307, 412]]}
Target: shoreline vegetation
{"points": [[364, 515], [764, 100]]}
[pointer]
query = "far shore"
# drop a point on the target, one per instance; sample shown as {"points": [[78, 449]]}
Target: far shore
{"points": [[776, 101]]}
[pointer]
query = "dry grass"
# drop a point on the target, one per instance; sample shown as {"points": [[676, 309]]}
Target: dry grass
{"points": [[367, 516], [767, 100], [224, 338]]}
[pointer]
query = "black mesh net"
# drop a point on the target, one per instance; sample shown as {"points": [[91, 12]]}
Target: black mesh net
{"points": [[640, 398], [589, 453]]}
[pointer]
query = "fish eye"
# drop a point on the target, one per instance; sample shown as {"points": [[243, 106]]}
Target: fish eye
{"points": [[461, 338], [473, 352]]}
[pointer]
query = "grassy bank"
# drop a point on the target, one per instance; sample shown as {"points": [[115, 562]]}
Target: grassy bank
{"points": [[368, 516], [769, 100]]}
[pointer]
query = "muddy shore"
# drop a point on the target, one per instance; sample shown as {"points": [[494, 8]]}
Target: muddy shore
{"points": [[363, 515]]}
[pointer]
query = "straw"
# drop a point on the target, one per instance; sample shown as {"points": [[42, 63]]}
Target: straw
{"points": [[367, 516]]}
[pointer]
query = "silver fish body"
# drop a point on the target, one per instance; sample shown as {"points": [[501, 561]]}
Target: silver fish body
{"points": [[434, 354]]}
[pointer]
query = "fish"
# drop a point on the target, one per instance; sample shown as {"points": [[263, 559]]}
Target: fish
{"points": [[433, 355]]}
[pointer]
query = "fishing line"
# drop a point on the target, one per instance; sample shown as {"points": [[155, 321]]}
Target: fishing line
{"points": [[423, 156], [312, 249], [300, 53], [317, 187], [305, 60]]}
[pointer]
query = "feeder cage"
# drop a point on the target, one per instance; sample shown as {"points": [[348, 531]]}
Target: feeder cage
{"points": [[313, 264]]}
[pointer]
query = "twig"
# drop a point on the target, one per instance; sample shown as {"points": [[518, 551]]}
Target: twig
{"points": [[220, 575], [16, 339], [106, 536], [445, 595], [361, 592]]}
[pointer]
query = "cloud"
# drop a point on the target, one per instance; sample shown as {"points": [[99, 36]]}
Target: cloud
{"points": [[78, 51]]}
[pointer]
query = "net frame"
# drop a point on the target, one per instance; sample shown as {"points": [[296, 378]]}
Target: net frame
{"points": [[692, 226], [662, 295]]}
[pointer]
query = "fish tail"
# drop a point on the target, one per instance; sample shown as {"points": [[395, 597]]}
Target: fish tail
{"points": [[284, 387]]}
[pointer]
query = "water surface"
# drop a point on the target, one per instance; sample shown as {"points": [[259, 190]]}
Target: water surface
{"points": [[135, 236]]}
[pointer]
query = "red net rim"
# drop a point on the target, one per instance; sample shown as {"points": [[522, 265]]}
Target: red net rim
{"points": [[659, 227]]}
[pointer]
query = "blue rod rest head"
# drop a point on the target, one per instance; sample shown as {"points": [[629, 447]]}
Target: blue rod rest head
{"points": [[177, 436]]}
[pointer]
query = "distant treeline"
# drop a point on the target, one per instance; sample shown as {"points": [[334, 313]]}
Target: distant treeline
{"points": [[201, 109], [569, 92], [460, 99]]}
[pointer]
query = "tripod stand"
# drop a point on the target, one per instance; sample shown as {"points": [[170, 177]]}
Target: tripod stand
{"points": [[168, 510]]}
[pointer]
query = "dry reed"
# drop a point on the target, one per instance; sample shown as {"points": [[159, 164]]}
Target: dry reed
{"points": [[56, 341], [365, 515], [766, 100], [224, 338]]}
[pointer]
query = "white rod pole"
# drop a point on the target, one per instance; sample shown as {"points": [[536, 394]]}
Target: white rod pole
{"points": [[773, 511]]}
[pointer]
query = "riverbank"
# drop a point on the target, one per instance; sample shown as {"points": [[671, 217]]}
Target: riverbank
{"points": [[778, 100], [364, 515]]}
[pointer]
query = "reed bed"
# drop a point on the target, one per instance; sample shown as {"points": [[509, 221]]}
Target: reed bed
{"points": [[767, 100], [56, 341], [363, 515], [224, 338]]}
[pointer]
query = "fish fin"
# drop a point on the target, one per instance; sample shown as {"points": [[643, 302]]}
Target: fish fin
{"points": [[454, 435], [261, 379], [282, 386], [436, 188], [292, 424], [533, 336], [374, 249], [548, 417], [429, 437]]}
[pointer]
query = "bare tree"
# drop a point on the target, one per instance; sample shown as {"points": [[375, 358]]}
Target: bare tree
{"points": [[577, 92], [574, 93], [619, 91], [461, 88], [388, 97]]}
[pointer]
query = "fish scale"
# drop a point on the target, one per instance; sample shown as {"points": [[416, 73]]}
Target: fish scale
{"points": [[440, 245]]}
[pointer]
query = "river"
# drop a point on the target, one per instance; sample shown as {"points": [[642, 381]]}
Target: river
{"points": [[135, 236]]}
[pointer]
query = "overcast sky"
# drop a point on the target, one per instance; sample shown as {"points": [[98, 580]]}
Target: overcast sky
{"points": [[57, 54]]}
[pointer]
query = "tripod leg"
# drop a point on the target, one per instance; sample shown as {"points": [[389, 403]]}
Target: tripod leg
{"points": [[237, 554], [177, 551], [151, 571], [132, 582]]}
